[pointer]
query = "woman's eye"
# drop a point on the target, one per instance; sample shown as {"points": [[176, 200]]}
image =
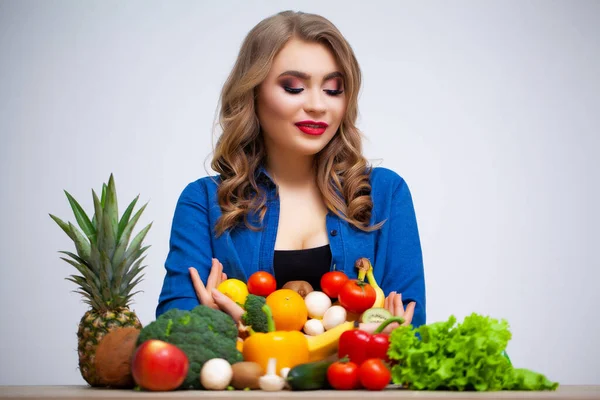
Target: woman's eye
{"points": [[293, 90], [332, 92]]}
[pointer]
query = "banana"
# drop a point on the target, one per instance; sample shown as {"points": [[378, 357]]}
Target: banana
{"points": [[365, 268], [326, 344]]}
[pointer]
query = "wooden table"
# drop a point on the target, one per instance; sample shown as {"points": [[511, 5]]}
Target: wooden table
{"points": [[84, 392]]}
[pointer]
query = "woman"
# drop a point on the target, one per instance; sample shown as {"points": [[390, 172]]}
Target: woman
{"points": [[294, 195]]}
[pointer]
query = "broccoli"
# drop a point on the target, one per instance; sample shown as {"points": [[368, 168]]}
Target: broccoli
{"points": [[202, 333], [254, 317]]}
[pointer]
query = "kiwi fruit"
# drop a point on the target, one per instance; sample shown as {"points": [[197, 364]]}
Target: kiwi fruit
{"points": [[377, 314]]}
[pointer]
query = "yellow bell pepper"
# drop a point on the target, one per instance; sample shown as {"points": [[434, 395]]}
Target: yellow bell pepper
{"points": [[289, 348]]}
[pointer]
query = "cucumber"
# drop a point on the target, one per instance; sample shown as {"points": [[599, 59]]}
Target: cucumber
{"points": [[309, 376]]}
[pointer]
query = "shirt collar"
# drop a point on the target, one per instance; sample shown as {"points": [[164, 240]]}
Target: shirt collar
{"points": [[262, 175]]}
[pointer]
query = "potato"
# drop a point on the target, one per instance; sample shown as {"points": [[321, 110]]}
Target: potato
{"points": [[301, 287], [246, 374]]}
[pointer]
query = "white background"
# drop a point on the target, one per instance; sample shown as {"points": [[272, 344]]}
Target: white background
{"points": [[489, 110]]}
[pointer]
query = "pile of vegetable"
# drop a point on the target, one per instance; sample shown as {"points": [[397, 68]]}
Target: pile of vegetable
{"points": [[202, 334], [302, 339], [466, 356]]}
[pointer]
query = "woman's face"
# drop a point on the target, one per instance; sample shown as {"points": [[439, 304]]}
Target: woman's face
{"points": [[301, 103]]}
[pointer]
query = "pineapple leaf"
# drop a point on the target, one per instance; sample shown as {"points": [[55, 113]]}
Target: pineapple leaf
{"points": [[64, 226], [127, 274], [130, 296], [106, 275], [95, 264], [125, 217], [103, 199], [137, 241], [91, 281], [82, 244], [126, 284], [85, 289], [106, 238], [89, 301], [118, 278], [82, 219], [97, 215], [134, 256], [75, 257], [111, 208], [122, 245]]}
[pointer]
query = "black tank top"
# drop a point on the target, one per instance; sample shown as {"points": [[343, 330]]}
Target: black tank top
{"points": [[302, 265]]}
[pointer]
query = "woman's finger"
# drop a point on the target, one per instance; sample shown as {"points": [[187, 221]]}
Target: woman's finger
{"points": [[390, 302], [409, 313], [227, 305], [223, 277], [203, 296], [398, 306], [214, 274]]}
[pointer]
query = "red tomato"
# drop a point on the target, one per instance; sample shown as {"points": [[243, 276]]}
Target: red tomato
{"points": [[158, 365], [262, 283], [343, 375], [332, 282], [374, 374], [356, 296]]}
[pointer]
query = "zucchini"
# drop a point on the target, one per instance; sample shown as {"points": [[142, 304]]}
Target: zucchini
{"points": [[309, 376]]}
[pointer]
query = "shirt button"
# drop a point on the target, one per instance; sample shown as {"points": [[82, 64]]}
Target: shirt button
{"points": [[333, 232]]}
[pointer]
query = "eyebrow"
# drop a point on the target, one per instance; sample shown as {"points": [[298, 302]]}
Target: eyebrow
{"points": [[305, 76]]}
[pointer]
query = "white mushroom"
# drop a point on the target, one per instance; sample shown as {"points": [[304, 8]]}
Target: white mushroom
{"points": [[271, 382], [216, 374]]}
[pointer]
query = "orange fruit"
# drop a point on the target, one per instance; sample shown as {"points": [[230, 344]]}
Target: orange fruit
{"points": [[289, 310]]}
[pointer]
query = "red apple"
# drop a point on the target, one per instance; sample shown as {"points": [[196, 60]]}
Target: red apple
{"points": [[159, 366]]}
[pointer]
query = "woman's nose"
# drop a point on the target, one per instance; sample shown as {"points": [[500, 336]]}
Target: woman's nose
{"points": [[315, 102]]}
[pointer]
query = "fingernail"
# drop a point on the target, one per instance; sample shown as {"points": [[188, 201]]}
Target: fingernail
{"points": [[216, 294]]}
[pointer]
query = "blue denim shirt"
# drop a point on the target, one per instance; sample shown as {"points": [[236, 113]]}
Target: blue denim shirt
{"points": [[394, 249]]}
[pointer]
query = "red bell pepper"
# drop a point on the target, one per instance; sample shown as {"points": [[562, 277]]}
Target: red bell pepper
{"points": [[359, 345]]}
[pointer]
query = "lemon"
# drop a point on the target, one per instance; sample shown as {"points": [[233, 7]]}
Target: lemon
{"points": [[235, 289]]}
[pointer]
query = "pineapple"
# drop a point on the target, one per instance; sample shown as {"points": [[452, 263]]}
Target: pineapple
{"points": [[109, 267]]}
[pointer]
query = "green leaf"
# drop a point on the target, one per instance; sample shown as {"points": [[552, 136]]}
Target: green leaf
{"points": [[91, 281], [128, 278], [105, 275], [125, 217], [111, 209], [103, 199], [95, 263], [98, 212], [82, 244], [82, 219], [449, 356], [106, 239], [64, 226], [120, 274], [75, 257], [85, 288], [137, 241], [124, 240]]}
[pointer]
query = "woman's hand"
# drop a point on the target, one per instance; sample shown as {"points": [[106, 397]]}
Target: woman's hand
{"points": [[393, 303], [209, 295]]}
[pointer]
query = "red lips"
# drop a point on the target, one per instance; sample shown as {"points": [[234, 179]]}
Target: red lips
{"points": [[312, 127]]}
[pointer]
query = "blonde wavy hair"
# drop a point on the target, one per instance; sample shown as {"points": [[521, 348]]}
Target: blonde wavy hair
{"points": [[342, 171]]}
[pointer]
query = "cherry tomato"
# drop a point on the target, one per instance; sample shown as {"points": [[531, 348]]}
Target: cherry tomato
{"points": [[356, 296], [343, 375], [373, 374], [262, 283], [332, 282]]}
